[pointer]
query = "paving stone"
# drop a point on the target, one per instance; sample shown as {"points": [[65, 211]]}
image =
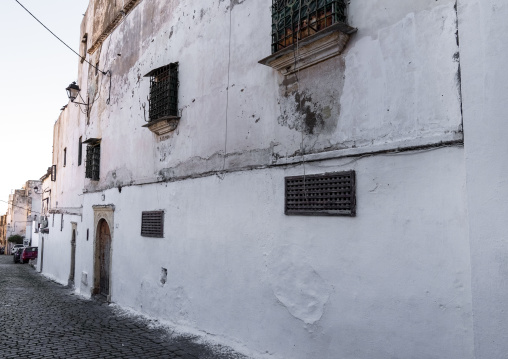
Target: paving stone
{"points": [[42, 319]]}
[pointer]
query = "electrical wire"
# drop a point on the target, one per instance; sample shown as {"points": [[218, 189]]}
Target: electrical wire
{"points": [[81, 57], [222, 175], [28, 209]]}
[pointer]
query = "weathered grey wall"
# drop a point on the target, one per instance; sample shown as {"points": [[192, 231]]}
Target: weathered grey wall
{"points": [[483, 29], [396, 85]]}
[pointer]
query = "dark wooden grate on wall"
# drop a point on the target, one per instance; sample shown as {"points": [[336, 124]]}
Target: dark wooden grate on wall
{"points": [[329, 194], [152, 224]]}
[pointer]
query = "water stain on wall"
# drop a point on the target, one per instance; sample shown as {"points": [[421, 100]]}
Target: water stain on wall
{"points": [[309, 102]]}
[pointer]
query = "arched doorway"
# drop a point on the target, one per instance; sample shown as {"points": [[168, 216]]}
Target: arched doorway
{"points": [[103, 259]]}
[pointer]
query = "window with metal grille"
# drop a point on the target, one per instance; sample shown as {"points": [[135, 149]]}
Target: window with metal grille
{"points": [[80, 151], [93, 161], [292, 19], [163, 101], [152, 224], [53, 173], [84, 42], [329, 194]]}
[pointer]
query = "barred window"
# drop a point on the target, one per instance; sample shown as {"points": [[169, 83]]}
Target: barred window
{"points": [[163, 101], [292, 19], [53, 173], [93, 161], [80, 150]]}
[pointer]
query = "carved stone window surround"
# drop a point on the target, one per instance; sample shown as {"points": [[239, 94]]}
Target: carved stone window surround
{"points": [[311, 50]]}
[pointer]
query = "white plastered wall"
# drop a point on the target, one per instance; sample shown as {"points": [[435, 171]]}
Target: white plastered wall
{"points": [[392, 282], [483, 28]]}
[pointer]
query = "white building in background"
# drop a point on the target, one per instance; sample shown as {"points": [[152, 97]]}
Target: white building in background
{"points": [[338, 196], [33, 195], [22, 213]]}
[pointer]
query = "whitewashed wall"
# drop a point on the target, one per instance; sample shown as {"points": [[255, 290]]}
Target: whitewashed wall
{"points": [[57, 248], [483, 30], [395, 281]]}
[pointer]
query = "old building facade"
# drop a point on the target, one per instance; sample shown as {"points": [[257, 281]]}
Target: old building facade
{"points": [[23, 213], [17, 215], [3, 231], [318, 190]]}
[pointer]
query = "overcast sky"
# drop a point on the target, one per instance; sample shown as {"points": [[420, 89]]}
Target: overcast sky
{"points": [[35, 70]]}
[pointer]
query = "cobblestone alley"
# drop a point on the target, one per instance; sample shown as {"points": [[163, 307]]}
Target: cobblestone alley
{"points": [[42, 319]]}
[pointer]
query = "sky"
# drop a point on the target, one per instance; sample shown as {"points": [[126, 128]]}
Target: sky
{"points": [[35, 70]]}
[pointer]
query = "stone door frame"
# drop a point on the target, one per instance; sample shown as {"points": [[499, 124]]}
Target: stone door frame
{"points": [[105, 212]]}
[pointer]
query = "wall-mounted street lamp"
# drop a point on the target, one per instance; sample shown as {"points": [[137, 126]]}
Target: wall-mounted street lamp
{"points": [[73, 92], [38, 190]]}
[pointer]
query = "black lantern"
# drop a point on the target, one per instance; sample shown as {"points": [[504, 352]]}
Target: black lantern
{"points": [[73, 91]]}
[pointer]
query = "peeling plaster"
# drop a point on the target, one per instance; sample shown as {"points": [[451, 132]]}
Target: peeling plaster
{"points": [[118, 178], [297, 285], [199, 166], [177, 300], [236, 2]]}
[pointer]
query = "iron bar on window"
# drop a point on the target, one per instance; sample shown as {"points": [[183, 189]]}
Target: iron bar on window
{"points": [[163, 101], [302, 18]]}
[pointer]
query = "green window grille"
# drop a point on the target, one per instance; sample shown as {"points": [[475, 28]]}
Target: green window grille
{"points": [[93, 161], [302, 18], [163, 101]]}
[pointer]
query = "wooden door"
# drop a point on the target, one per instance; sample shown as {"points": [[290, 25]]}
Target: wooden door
{"points": [[73, 257], [104, 257]]}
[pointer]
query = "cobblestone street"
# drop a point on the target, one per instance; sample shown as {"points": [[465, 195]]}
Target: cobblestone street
{"points": [[42, 319]]}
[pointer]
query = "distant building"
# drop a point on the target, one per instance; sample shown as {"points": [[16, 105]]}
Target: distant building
{"points": [[17, 214], [309, 179], [33, 193], [3, 231], [23, 209]]}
